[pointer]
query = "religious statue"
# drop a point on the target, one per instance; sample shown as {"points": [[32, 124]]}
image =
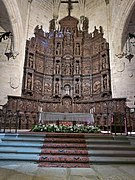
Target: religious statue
{"points": [[52, 25], [29, 83], [105, 82], [85, 24], [104, 62], [58, 49], [67, 89], [77, 68], [77, 49], [67, 69], [30, 61], [95, 31], [36, 29], [101, 29], [57, 68], [77, 88], [57, 88], [67, 37]]}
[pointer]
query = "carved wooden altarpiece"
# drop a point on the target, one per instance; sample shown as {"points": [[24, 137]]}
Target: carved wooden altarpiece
{"points": [[67, 70]]}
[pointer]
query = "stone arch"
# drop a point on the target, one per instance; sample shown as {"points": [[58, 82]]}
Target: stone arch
{"points": [[15, 20], [126, 23], [121, 24], [12, 21]]}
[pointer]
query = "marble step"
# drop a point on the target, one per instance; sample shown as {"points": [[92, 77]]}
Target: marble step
{"points": [[23, 139], [20, 150], [44, 158], [111, 160], [110, 147], [20, 144], [90, 153], [111, 153], [19, 157], [70, 140], [27, 135], [93, 141], [67, 159], [98, 136]]}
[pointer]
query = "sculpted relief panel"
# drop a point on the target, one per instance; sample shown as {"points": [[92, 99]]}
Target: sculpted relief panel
{"points": [[86, 67], [38, 86], [49, 67], [47, 88], [39, 64], [96, 86], [86, 88]]}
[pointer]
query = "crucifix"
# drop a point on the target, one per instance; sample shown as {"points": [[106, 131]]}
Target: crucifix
{"points": [[69, 2]]}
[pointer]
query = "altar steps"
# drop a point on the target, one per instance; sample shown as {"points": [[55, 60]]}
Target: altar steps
{"points": [[64, 150], [67, 150], [111, 150]]}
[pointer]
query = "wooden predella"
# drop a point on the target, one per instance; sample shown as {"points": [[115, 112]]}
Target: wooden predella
{"points": [[67, 70]]}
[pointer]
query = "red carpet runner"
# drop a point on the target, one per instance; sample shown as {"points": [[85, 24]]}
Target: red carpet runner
{"points": [[64, 150]]}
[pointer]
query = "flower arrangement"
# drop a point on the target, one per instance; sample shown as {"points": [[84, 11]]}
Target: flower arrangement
{"points": [[78, 128]]}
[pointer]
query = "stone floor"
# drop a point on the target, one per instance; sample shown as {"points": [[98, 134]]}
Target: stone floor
{"points": [[30, 171]]}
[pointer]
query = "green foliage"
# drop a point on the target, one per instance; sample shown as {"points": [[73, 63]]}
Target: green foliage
{"points": [[65, 129]]}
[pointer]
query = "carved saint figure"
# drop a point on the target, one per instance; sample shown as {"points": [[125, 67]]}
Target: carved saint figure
{"points": [[77, 88], [104, 62], [67, 89], [67, 69], [58, 49], [101, 29], [29, 82], [77, 49], [85, 24], [30, 61], [95, 31], [105, 82], [56, 88], [77, 68], [36, 29], [67, 37], [52, 25], [57, 68]]}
